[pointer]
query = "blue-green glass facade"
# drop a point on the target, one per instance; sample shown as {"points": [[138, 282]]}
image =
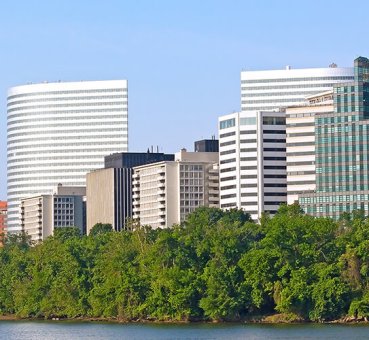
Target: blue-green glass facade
{"points": [[342, 140]]}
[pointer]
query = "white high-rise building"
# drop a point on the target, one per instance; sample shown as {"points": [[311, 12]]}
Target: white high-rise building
{"points": [[57, 132], [269, 90], [252, 161]]}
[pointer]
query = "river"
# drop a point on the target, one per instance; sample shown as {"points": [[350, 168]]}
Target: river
{"points": [[49, 330]]}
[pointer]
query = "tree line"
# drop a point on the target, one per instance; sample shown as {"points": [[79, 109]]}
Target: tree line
{"points": [[217, 265]]}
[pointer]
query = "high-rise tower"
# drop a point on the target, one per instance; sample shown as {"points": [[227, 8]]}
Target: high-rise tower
{"points": [[57, 132], [341, 151], [269, 90]]}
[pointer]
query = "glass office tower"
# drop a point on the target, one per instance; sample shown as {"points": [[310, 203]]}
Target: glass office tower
{"points": [[342, 140]]}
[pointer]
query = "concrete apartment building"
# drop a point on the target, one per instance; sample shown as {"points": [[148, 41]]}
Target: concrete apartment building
{"points": [[252, 161], [341, 150], [300, 142], [272, 89], [109, 190], [57, 132], [40, 215], [3, 219], [165, 193]]}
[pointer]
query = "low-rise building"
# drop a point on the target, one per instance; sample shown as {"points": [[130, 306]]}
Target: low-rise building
{"points": [[40, 215], [109, 190], [164, 193]]}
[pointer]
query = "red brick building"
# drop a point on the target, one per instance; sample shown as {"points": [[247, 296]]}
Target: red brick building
{"points": [[3, 215]]}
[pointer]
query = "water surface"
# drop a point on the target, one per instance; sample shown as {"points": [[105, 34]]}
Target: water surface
{"points": [[49, 330]]}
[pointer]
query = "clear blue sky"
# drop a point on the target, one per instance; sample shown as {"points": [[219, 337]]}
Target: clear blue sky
{"points": [[182, 59]]}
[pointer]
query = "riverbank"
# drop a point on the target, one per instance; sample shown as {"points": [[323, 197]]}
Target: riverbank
{"points": [[269, 319]]}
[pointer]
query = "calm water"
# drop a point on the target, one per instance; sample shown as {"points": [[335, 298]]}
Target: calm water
{"points": [[39, 330]]}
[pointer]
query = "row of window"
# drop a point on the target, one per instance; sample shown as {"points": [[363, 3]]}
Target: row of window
{"points": [[228, 134], [341, 129], [300, 144], [273, 94], [66, 92], [67, 141], [228, 143], [262, 101], [301, 134], [47, 157], [342, 168], [282, 87], [12, 118], [54, 99], [191, 174], [227, 152], [248, 132], [191, 167], [224, 124], [73, 120], [335, 119], [275, 132], [81, 131], [51, 106], [285, 80], [91, 165], [342, 148]]}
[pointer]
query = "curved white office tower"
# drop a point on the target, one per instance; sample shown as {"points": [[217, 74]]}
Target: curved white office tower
{"points": [[57, 132], [270, 90]]}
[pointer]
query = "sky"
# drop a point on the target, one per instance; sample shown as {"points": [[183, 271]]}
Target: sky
{"points": [[182, 59]]}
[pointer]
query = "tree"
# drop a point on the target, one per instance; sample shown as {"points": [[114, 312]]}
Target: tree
{"points": [[100, 229]]}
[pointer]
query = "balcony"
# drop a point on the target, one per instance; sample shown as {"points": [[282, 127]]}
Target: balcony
{"points": [[161, 192], [161, 205]]}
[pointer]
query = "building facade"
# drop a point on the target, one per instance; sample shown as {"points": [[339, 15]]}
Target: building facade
{"points": [[109, 190], [40, 215], [3, 220], [270, 90], [165, 193], [300, 141], [342, 145], [57, 132], [252, 161]]}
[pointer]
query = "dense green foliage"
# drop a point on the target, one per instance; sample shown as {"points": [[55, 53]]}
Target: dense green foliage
{"points": [[216, 266]]}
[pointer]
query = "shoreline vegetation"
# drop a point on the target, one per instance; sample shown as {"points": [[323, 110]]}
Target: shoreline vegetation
{"points": [[270, 319], [218, 266]]}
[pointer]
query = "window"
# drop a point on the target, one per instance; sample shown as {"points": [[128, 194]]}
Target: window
{"points": [[274, 121], [227, 123], [248, 121]]}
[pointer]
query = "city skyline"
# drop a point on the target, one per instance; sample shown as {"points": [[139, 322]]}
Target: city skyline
{"points": [[183, 61]]}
